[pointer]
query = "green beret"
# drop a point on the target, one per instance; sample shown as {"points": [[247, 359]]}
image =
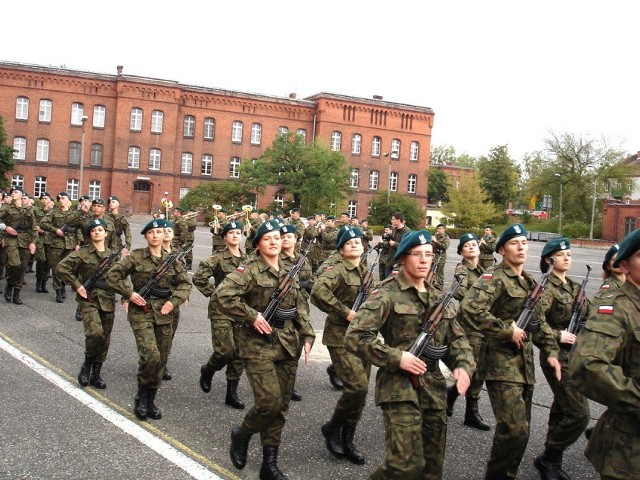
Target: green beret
{"points": [[331, 217], [341, 230], [295, 210], [255, 210], [554, 245], [288, 229], [113, 198], [388, 225], [628, 247], [180, 209], [85, 197], [45, 194], [98, 201], [15, 188], [412, 239], [347, 235], [467, 237], [609, 255], [441, 225], [266, 227], [488, 226], [155, 223], [97, 222], [231, 226], [515, 230], [168, 224], [61, 194]]}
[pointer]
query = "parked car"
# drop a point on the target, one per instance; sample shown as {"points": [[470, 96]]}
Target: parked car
{"points": [[512, 212], [539, 214]]}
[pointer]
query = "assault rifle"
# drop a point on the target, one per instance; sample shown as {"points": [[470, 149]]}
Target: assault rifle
{"points": [[577, 311], [421, 346], [524, 320], [363, 289], [96, 276], [150, 288], [431, 276], [285, 285]]}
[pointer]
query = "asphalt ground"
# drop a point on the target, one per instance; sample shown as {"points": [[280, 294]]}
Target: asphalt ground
{"points": [[52, 429]]}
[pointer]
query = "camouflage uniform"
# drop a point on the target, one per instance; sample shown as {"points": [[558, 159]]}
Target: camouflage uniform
{"points": [[415, 420], [396, 236], [121, 226], [17, 247], [487, 260], [327, 239], [189, 238], [609, 285], [491, 306], [605, 367], [216, 238], [440, 244], [43, 246], [311, 232]]}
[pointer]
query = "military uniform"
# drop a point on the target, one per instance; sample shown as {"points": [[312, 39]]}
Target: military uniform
{"points": [[440, 244], [43, 247], [396, 236], [121, 227], [216, 238], [310, 233], [487, 246], [327, 238], [189, 238]]}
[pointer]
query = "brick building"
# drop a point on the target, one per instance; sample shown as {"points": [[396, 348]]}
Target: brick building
{"points": [[621, 214], [137, 137]]}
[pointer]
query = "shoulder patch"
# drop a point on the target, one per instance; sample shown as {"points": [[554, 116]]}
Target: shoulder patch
{"points": [[330, 267], [374, 292], [487, 275], [606, 309], [605, 286], [394, 273], [240, 268]]}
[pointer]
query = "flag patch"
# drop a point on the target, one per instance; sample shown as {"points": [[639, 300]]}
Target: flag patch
{"points": [[487, 276], [607, 309], [374, 292], [605, 287], [240, 269]]}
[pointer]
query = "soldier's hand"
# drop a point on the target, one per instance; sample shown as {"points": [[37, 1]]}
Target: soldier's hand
{"points": [[11, 231], [462, 380], [352, 314], [412, 364], [553, 362], [307, 352], [261, 325], [167, 308], [82, 291], [60, 233], [567, 337], [32, 248], [137, 299], [519, 336]]}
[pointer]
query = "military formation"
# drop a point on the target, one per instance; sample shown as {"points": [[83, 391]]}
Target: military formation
{"points": [[403, 322]]}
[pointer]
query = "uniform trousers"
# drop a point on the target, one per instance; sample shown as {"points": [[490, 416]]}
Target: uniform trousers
{"points": [[57, 254], [17, 260], [355, 375], [98, 325], [153, 340], [224, 338], [479, 345]]}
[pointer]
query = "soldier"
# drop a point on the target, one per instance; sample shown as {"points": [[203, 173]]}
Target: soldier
{"points": [[120, 223], [224, 333], [269, 351], [215, 228], [327, 236], [179, 228], [27, 202], [97, 306], [250, 230], [414, 418], [151, 318], [19, 227], [492, 305], [297, 222], [43, 244], [440, 245], [190, 236], [311, 233], [367, 236], [569, 413], [385, 251], [470, 270], [334, 292], [605, 367], [399, 230], [167, 246], [487, 246], [6, 199], [343, 220]]}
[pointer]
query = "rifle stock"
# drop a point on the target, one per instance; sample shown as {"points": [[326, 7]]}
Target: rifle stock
{"points": [[89, 284], [161, 271], [434, 268], [365, 286], [524, 320], [578, 306]]}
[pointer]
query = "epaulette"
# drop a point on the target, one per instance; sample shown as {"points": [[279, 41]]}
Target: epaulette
{"points": [[605, 309]]}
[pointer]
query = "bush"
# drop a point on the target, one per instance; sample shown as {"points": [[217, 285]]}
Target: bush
{"points": [[576, 230]]}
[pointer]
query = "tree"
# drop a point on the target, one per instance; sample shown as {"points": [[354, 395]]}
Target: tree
{"points": [[446, 155], [380, 211], [469, 204], [499, 176], [438, 184], [7, 163], [227, 193], [310, 177]]}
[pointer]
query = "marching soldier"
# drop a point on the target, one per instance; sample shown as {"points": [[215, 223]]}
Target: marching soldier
{"points": [[120, 223], [327, 235], [440, 245], [43, 244], [399, 230], [215, 228], [250, 231], [190, 237], [487, 246], [385, 251], [367, 236]]}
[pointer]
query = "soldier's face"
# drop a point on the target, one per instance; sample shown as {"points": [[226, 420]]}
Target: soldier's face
{"points": [[97, 209], [288, 241], [168, 234], [113, 204], [270, 244], [563, 260], [98, 234], [440, 230], [487, 231], [470, 250], [515, 251], [631, 268], [154, 236], [233, 237], [352, 249], [417, 262]]}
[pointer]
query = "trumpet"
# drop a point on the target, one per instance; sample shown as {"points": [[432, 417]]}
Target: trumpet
{"points": [[188, 215], [215, 224], [247, 209]]}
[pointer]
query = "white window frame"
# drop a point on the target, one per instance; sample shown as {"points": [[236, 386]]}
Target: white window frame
{"points": [[395, 148], [20, 148], [186, 165], [189, 126], [279, 200], [234, 167], [77, 112], [415, 151], [17, 180], [133, 158], [22, 108], [73, 187], [356, 144], [336, 141], [374, 180], [236, 132], [135, 122], [206, 165], [393, 182], [283, 131], [303, 133], [96, 155], [183, 192], [73, 156], [94, 189], [42, 150], [352, 208], [209, 130], [99, 116], [354, 178], [39, 186], [157, 121], [412, 183], [44, 110], [376, 146], [256, 134], [155, 159]]}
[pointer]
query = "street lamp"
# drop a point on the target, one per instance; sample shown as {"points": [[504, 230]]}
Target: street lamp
{"points": [[388, 178], [593, 208], [83, 119], [560, 218]]}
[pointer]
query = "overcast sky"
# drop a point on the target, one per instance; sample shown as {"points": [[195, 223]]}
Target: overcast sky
{"points": [[494, 72]]}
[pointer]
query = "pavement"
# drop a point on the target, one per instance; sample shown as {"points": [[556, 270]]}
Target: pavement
{"points": [[53, 429]]}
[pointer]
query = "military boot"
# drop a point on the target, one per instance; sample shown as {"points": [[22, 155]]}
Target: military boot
{"points": [[59, 297], [472, 417], [334, 379], [78, 314], [240, 438], [166, 375], [296, 396], [153, 411], [332, 432], [16, 296], [206, 374], [452, 396], [38, 285], [30, 267], [85, 372], [549, 465], [95, 379], [350, 451], [189, 266], [44, 285], [140, 402], [232, 398], [8, 292], [64, 291], [269, 469]]}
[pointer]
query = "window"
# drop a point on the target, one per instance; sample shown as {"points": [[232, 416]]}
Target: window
{"points": [[22, 108], [141, 186], [256, 134], [395, 148], [393, 182], [374, 176], [99, 116], [133, 159], [157, 120], [411, 186], [154, 159], [96, 155], [376, 145], [279, 199], [42, 150], [39, 186], [355, 177], [77, 112], [20, 148], [187, 163], [336, 141], [303, 133], [73, 188], [352, 208], [135, 124], [74, 153], [94, 189], [17, 181], [629, 225], [189, 128], [209, 128], [44, 112], [356, 144], [283, 131], [234, 167], [415, 150], [206, 166], [236, 132], [183, 192]]}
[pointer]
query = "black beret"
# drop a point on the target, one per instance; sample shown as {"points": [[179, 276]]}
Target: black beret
{"points": [[609, 255]]}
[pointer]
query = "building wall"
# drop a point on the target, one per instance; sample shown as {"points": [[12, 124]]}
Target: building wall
{"points": [[319, 115], [618, 219]]}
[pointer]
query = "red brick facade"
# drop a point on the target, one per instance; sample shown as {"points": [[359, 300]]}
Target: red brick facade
{"points": [[619, 219], [142, 188]]}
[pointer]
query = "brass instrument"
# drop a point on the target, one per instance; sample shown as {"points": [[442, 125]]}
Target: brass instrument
{"points": [[247, 209], [188, 215], [215, 224]]}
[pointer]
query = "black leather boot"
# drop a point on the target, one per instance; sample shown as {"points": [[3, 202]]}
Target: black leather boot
{"points": [[296, 396], [334, 379], [38, 285], [332, 432], [549, 465], [232, 398], [44, 285], [8, 292], [206, 374], [350, 451], [140, 402], [153, 411], [30, 267], [64, 291], [166, 375], [95, 379], [240, 438], [85, 372], [78, 314], [588, 432], [472, 417], [452, 396], [269, 469], [16, 296], [59, 298]]}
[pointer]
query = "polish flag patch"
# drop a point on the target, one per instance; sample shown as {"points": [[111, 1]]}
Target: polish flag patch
{"points": [[605, 286], [329, 268], [374, 292], [240, 269], [606, 309], [487, 276]]}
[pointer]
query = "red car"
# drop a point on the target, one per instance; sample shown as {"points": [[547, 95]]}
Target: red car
{"points": [[539, 214]]}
